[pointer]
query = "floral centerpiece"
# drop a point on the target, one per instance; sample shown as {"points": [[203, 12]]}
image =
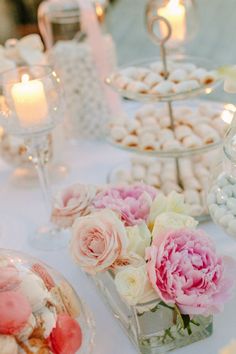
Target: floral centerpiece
{"points": [[160, 274]]}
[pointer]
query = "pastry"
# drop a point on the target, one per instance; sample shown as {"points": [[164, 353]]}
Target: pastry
{"points": [[8, 345], [15, 311], [44, 275], [35, 345], [66, 337], [9, 276], [151, 128], [27, 330], [46, 320], [180, 78], [33, 287]]}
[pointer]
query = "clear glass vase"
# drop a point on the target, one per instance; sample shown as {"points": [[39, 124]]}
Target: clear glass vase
{"points": [[152, 327]]}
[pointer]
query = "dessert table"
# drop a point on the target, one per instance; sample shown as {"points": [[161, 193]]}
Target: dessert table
{"points": [[22, 209]]}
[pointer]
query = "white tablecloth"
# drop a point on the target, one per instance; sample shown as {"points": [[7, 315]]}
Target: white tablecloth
{"points": [[21, 211]]}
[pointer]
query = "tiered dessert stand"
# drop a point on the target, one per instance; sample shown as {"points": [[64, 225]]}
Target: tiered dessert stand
{"points": [[184, 168]]}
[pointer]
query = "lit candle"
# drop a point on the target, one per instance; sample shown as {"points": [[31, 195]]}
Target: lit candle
{"points": [[175, 13], [30, 101]]}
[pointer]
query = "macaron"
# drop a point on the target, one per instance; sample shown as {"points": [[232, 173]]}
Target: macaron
{"points": [[66, 337], [15, 311], [41, 271], [9, 277]]}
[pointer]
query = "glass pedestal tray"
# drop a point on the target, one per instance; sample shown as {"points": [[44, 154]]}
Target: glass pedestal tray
{"points": [[144, 82], [154, 329], [169, 164]]}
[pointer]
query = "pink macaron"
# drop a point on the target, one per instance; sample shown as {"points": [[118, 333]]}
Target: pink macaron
{"points": [[15, 310], [42, 272], [9, 277], [66, 337]]}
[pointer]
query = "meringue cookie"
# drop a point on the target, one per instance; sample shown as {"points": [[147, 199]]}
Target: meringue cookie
{"points": [[163, 88], [153, 79], [178, 75], [118, 133], [137, 87], [8, 345], [46, 320], [35, 290], [130, 140], [198, 74], [26, 332], [122, 82]]}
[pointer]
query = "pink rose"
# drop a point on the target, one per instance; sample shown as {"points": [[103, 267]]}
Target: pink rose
{"points": [[184, 269], [71, 203], [98, 241], [132, 203]]}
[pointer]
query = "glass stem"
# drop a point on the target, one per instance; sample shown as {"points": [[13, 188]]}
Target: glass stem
{"points": [[38, 153]]}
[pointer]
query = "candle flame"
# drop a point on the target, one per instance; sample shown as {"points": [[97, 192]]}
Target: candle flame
{"points": [[25, 78], [99, 10], [173, 4]]}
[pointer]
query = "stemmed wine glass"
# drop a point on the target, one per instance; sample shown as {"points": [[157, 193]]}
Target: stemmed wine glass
{"points": [[31, 106]]}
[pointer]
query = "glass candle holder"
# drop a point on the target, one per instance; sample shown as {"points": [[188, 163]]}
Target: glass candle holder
{"points": [[182, 17], [30, 107]]}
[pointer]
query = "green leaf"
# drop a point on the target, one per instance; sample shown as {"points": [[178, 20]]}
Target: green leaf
{"points": [[184, 320], [165, 305], [154, 309], [189, 329], [195, 323]]}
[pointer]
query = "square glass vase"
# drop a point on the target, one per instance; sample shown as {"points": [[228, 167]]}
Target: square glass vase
{"points": [[152, 327]]}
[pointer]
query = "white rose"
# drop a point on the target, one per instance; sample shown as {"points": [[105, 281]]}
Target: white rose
{"points": [[174, 202], [139, 238], [133, 285], [230, 349], [171, 220]]}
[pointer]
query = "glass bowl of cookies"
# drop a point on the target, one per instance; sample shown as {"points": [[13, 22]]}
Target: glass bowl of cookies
{"points": [[198, 125], [40, 311], [147, 81]]}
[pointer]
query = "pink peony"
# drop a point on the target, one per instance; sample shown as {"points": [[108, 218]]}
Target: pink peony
{"points": [[132, 203], [71, 203], [98, 241], [184, 269]]}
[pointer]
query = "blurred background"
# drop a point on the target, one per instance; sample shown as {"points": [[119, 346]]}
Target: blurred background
{"points": [[124, 19]]}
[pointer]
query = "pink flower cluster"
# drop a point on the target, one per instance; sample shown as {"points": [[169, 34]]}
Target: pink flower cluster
{"points": [[184, 270], [131, 203], [182, 265]]}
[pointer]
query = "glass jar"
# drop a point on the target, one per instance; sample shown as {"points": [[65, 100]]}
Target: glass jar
{"points": [[45, 311], [59, 20], [154, 329], [182, 16], [221, 198]]}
